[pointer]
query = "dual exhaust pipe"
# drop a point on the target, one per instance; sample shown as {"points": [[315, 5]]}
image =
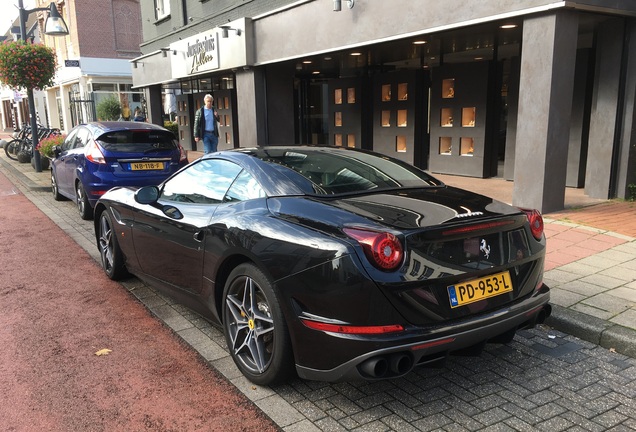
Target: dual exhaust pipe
{"points": [[400, 363], [392, 365]]}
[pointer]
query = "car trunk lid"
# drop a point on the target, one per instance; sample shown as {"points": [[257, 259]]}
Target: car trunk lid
{"points": [[139, 152]]}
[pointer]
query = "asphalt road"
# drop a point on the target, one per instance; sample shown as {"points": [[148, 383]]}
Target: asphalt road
{"points": [[543, 380]]}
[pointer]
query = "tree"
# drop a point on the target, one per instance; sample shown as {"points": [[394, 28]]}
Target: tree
{"points": [[26, 65], [109, 109]]}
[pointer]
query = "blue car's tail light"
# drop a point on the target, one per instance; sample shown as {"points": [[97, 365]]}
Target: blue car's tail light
{"points": [[383, 249], [183, 155], [93, 153]]}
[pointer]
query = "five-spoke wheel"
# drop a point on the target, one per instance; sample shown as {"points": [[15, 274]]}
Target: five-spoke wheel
{"points": [[109, 251], [254, 326]]}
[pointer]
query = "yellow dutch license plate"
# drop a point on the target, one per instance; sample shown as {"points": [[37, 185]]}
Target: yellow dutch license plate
{"points": [[479, 289], [145, 166]]}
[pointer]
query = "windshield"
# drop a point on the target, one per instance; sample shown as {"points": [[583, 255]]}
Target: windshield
{"points": [[336, 171]]}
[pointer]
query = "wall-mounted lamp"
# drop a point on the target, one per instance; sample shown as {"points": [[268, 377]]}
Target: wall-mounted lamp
{"points": [[226, 29], [337, 5]]}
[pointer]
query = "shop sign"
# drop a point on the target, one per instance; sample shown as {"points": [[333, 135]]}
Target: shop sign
{"points": [[200, 53], [71, 63], [203, 55]]}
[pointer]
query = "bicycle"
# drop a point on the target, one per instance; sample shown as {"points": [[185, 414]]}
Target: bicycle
{"points": [[21, 147], [18, 143]]}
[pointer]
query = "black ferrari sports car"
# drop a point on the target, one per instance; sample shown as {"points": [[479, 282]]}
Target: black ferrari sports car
{"points": [[331, 263]]}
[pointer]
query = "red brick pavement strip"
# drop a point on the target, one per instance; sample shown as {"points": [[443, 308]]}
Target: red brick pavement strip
{"points": [[578, 233], [616, 216], [567, 244]]}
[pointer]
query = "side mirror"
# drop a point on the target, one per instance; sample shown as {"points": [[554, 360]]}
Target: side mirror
{"points": [[147, 195], [57, 151]]}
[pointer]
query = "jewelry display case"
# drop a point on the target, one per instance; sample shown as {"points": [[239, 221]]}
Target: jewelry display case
{"points": [[468, 117], [467, 146], [401, 118], [445, 146]]}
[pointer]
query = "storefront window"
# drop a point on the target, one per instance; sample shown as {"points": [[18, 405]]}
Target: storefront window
{"points": [[128, 99]]}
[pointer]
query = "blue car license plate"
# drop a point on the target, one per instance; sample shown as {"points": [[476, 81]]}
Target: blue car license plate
{"points": [[146, 166]]}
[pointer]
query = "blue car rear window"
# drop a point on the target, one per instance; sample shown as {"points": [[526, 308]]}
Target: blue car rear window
{"points": [[131, 141]]}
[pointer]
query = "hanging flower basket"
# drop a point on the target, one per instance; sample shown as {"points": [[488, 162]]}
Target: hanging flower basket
{"points": [[26, 65]]}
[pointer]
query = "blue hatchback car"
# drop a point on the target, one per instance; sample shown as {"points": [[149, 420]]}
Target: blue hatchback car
{"points": [[100, 155]]}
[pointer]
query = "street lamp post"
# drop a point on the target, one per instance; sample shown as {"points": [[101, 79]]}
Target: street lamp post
{"points": [[54, 26]]}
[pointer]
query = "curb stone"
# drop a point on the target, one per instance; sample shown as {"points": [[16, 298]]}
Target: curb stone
{"points": [[592, 329]]}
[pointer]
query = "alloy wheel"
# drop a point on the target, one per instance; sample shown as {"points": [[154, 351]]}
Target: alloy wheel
{"points": [[106, 244], [79, 193], [250, 325]]}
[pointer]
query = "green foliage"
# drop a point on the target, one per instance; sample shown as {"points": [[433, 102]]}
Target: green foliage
{"points": [[172, 127], [632, 191], [47, 144], [26, 65], [108, 109]]}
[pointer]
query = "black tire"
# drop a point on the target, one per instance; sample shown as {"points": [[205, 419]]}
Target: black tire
{"points": [[54, 188], [255, 330], [12, 148], [83, 205], [111, 255]]}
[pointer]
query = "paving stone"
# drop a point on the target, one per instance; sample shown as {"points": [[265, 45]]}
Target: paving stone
{"points": [[397, 423], [432, 422], [554, 425], [492, 416]]}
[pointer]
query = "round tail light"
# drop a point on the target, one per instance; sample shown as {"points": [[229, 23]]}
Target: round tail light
{"points": [[382, 249], [536, 222]]}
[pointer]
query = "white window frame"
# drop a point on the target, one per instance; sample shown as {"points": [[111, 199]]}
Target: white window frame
{"points": [[162, 8]]}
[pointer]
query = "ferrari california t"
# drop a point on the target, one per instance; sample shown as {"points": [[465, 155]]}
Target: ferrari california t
{"points": [[329, 263]]}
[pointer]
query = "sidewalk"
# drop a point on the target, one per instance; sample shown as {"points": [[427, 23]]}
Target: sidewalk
{"points": [[590, 260]]}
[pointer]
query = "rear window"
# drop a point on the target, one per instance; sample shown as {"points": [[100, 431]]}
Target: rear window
{"points": [[131, 141], [333, 171]]}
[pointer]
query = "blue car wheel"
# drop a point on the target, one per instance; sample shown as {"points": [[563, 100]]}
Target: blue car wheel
{"points": [[84, 207]]}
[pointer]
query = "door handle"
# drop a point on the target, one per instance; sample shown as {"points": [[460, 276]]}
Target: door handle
{"points": [[198, 236]]}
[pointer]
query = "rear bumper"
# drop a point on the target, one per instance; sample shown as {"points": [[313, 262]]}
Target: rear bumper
{"points": [[396, 356], [97, 187]]}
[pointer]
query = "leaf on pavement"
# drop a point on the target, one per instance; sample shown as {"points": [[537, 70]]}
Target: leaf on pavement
{"points": [[103, 351]]}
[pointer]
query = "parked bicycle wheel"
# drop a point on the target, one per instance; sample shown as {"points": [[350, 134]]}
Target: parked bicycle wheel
{"points": [[12, 148]]}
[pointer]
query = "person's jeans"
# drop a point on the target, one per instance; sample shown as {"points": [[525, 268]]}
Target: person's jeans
{"points": [[210, 142]]}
